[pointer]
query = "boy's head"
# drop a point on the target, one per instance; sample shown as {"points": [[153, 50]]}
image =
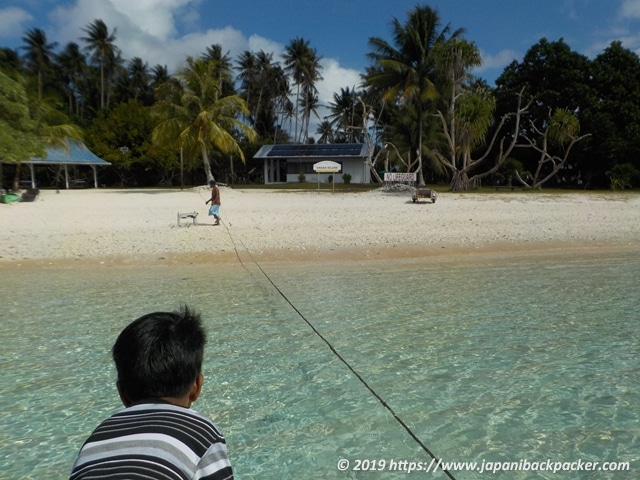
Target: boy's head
{"points": [[159, 355], [212, 183]]}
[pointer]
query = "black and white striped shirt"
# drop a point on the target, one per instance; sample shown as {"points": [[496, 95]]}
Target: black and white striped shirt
{"points": [[154, 441]]}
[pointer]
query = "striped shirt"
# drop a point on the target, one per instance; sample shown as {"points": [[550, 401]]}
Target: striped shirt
{"points": [[154, 441]]}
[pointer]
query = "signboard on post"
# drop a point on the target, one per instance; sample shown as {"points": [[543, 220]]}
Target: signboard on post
{"points": [[399, 177], [327, 166]]}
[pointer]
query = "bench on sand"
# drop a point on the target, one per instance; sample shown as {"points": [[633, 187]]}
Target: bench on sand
{"points": [[184, 216]]}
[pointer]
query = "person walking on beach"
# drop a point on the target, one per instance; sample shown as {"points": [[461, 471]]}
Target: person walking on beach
{"points": [[158, 359], [214, 210]]}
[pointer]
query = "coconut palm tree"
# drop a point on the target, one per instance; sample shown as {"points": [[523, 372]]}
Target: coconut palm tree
{"points": [[282, 104], [139, 78], [325, 130], [469, 113], [28, 125], [39, 55], [261, 81], [346, 114], [303, 64], [310, 103], [159, 75], [73, 68], [103, 50], [405, 70], [247, 67], [195, 116], [223, 68]]}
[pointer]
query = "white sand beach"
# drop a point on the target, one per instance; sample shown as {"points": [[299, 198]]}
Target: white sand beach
{"points": [[133, 226]]}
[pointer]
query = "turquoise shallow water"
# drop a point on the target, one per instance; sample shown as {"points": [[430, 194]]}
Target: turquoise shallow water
{"points": [[483, 358]]}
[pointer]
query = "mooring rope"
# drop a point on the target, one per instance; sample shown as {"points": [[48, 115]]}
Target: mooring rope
{"points": [[334, 351]]}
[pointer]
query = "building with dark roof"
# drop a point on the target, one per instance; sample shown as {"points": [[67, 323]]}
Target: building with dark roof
{"points": [[285, 163]]}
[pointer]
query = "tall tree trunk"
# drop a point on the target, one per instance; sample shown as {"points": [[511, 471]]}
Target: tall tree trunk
{"points": [[421, 182], [16, 178], [101, 85], [205, 163], [295, 133]]}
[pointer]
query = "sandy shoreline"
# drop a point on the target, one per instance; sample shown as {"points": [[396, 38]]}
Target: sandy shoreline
{"points": [[138, 226]]}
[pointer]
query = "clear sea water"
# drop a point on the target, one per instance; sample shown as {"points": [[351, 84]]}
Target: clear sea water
{"points": [[484, 358]]}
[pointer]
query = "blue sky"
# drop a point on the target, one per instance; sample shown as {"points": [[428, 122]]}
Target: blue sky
{"points": [[165, 31]]}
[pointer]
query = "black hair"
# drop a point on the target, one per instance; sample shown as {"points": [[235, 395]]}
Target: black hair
{"points": [[160, 354]]}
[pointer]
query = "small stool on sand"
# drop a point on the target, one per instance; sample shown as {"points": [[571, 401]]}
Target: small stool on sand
{"points": [[184, 216]]}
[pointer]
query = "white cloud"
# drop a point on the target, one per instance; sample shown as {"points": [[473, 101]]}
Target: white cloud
{"points": [[630, 9], [334, 77], [12, 20], [149, 29], [257, 43], [153, 17], [497, 61], [146, 28]]}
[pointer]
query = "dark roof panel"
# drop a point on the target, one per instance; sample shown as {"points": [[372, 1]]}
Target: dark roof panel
{"points": [[313, 150]]}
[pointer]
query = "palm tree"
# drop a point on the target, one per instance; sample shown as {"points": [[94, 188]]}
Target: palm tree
{"points": [[104, 52], [28, 125], [470, 122], [223, 68], [470, 111], [282, 104], [194, 115], [39, 54], [325, 130], [159, 75], [139, 78], [247, 66], [405, 71], [310, 104], [73, 68], [346, 114], [303, 64], [261, 80]]}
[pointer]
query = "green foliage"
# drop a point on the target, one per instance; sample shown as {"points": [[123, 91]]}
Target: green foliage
{"points": [[509, 170], [623, 175], [412, 76], [130, 125], [346, 178], [553, 74], [19, 139], [192, 114], [302, 177], [303, 64], [563, 126], [614, 120], [405, 72], [474, 117], [560, 83]]}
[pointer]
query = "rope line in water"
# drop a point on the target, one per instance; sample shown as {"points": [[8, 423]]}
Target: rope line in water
{"points": [[334, 351]]}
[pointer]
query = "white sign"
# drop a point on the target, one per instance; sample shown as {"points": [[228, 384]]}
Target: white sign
{"points": [[400, 177], [326, 166]]}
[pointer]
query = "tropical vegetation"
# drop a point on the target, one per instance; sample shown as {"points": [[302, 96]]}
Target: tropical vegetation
{"points": [[555, 118]]}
